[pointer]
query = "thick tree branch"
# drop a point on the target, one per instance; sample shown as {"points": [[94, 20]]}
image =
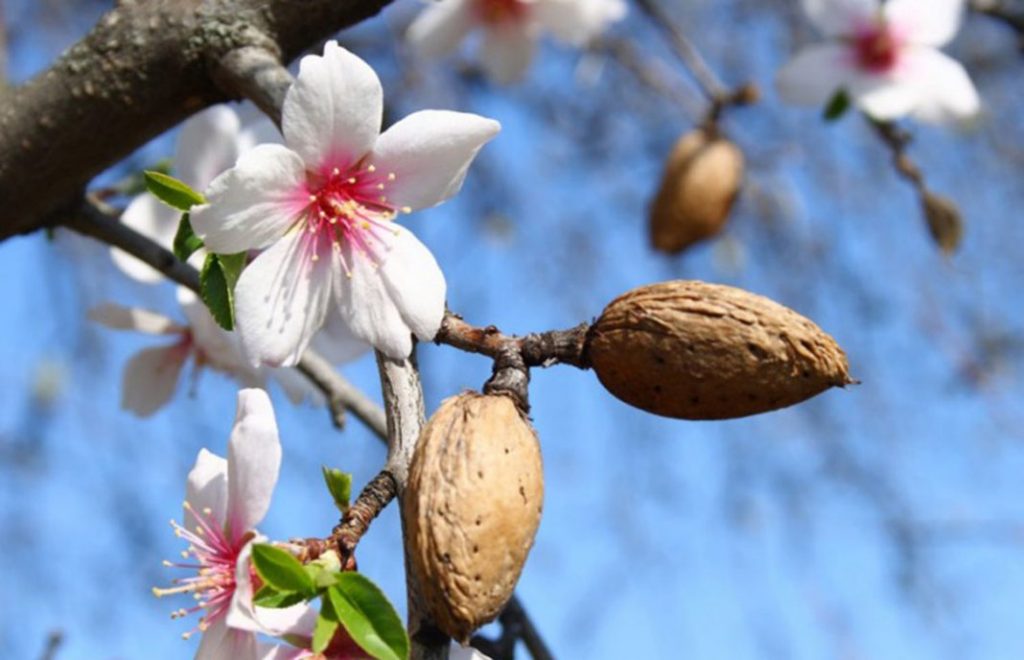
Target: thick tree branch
{"points": [[143, 68]]}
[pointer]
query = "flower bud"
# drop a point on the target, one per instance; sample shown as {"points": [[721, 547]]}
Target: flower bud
{"points": [[471, 508], [694, 350], [944, 222], [701, 180]]}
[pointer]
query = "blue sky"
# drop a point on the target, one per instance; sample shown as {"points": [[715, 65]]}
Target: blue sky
{"points": [[882, 521]]}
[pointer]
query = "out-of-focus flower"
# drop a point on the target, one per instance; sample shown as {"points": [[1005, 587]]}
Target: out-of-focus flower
{"points": [[225, 500], [151, 376], [208, 144], [885, 57], [510, 28], [322, 207]]}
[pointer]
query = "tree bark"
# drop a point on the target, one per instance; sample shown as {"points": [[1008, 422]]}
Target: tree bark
{"points": [[143, 68]]}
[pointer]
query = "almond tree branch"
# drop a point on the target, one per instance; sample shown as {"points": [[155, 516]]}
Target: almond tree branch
{"points": [[537, 349], [1004, 12], [717, 93], [142, 69], [97, 220]]}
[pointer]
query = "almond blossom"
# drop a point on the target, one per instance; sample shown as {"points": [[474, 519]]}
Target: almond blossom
{"points": [[885, 57], [208, 144], [510, 28], [321, 208], [151, 376], [225, 501]]}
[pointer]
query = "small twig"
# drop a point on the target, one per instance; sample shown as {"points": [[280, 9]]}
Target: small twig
{"points": [[648, 73], [1012, 18], [716, 92], [898, 141], [342, 395], [54, 640], [542, 349], [515, 625], [374, 497]]}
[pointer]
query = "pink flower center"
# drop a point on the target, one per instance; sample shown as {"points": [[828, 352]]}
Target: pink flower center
{"points": [[216, 560], [877, 48], [350, 207], [498, 12]]}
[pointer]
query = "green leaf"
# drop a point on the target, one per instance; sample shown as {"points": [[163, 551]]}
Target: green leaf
{"points": [[217, 286], [340, 485], [368, 616], [324, 631], [185, 241], [232, 264], [268, 596], [837, 105], [213, 289], [176, 194], [281, 570]]}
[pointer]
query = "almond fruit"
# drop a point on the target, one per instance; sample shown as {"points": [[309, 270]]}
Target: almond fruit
{"points": [[471, 508], [695, 350], [701, 180]]}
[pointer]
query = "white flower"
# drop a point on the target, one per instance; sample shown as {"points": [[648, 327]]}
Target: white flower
{"points": [[225, 500], [151, 376], [208, 144], [322, 210], [885, 56], [510, 28]]}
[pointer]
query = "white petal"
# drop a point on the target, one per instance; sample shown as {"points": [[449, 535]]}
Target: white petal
{"points": [[220, 349], [440, 28], [366, 306], [220, 642], [926, 22], [837, 18], [281, 299], [576, 22], [207, 145], [416, 284], [253, 203], [133, 318], [946, 91], [332, 113], [254, 459], [814, 75], [153, 219], [505, 53], [386, 305], [883, 97], [336, 343], [150, 378], [207, 488], [429, 152]]}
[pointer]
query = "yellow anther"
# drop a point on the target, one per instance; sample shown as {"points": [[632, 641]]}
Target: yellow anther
{"points": [[406, 209], [391, 176], [351, 180], [371, 169], [335, 171]]}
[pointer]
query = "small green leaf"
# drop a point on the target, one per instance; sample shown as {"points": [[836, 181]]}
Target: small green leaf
{"points": [[340, 485], [185, 241], [268, 596], [232, 265], [213, 289], [369, 618], [281, 570], [837, 105], [323, 632], [176, 194]]}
